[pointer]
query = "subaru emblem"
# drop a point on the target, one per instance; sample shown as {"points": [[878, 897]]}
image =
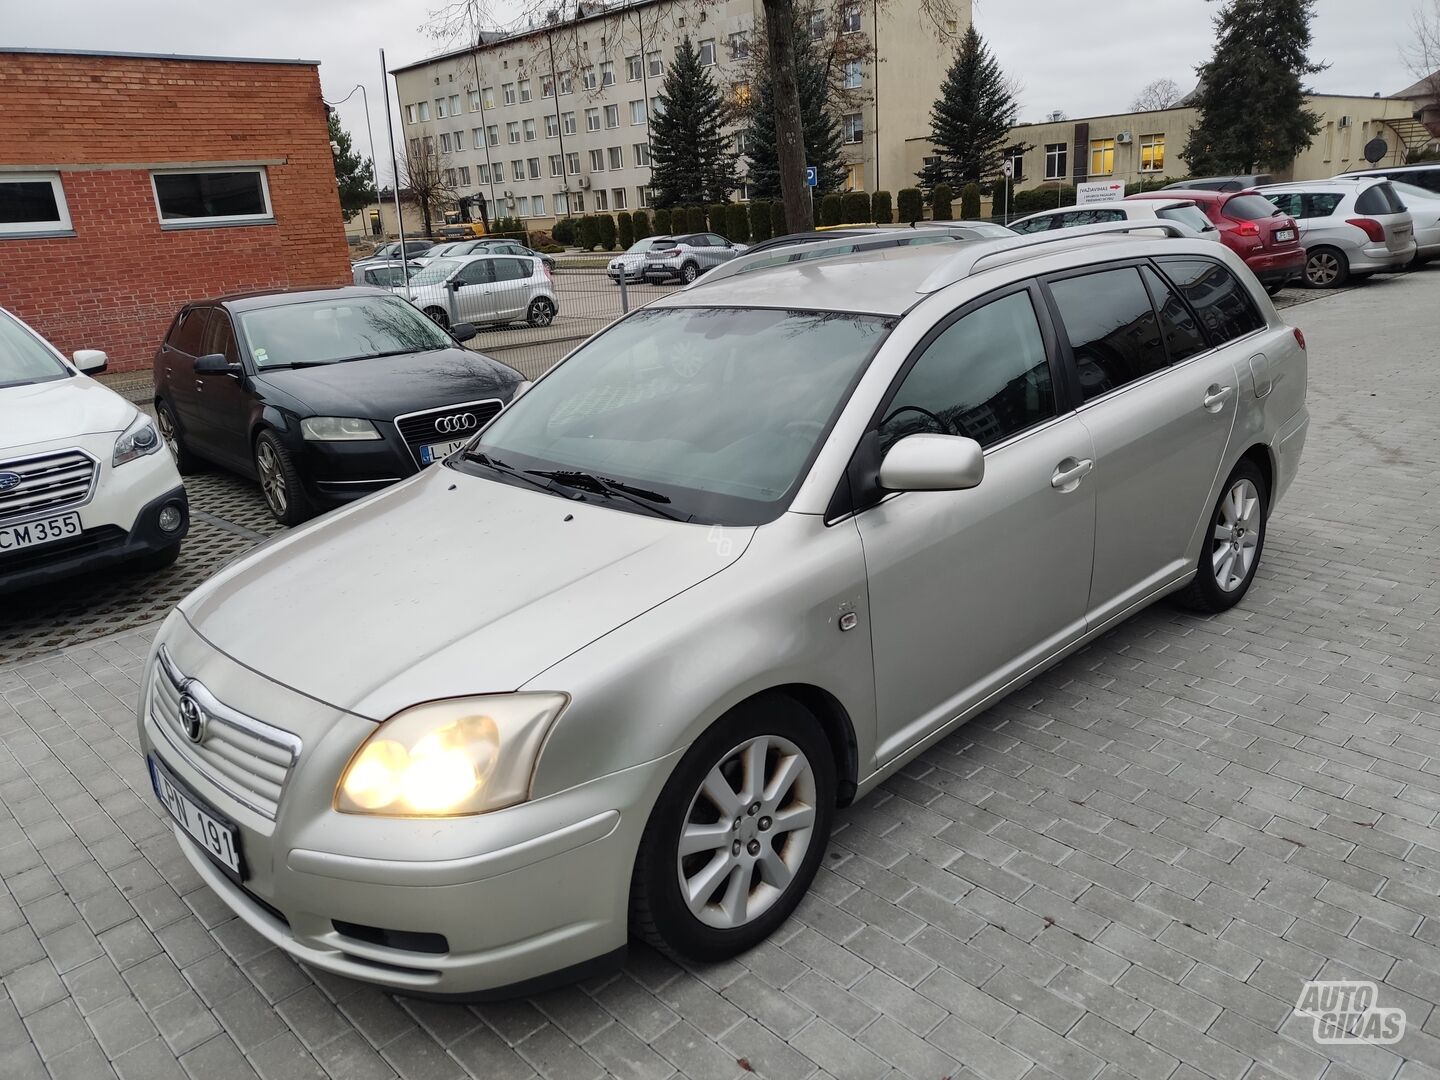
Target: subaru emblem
{"points": [[9, 480]]}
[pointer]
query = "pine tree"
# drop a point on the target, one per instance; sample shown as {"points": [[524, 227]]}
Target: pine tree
{"points": [[1251, 99], [691, 157], [971, 121], [821, 131], [352, 172]]}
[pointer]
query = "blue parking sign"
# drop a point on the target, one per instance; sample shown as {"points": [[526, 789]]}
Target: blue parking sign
{"points": [[812, 176]]}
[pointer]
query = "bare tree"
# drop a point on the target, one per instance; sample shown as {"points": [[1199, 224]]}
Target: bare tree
{"points": [[1422, 57], [1160, 94], [426, 180]]}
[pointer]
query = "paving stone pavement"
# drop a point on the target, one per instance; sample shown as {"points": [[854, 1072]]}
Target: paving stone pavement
{"points": [[1127, 869]]}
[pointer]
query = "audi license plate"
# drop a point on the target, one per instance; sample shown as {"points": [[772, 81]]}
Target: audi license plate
{"points": [[1284, 236], [207, 828], [435, 451], [15, 537]]}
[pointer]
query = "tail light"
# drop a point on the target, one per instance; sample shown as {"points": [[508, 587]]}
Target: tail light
{"points": [[546, 267], [670, 254], [1299, 336], [1372, 228], [1247, 228]]}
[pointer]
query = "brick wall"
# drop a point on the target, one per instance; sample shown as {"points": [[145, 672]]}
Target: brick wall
{"points": [[116, 284]]}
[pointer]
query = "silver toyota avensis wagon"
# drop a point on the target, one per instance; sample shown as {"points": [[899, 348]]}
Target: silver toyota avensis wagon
{"points": [[612, 668]]}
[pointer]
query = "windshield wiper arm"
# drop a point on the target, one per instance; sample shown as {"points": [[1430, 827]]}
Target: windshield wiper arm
{"points": [[602, 485], [499, 466]]}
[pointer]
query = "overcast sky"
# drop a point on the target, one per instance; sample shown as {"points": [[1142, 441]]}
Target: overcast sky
{"points": [[1086, 58]]}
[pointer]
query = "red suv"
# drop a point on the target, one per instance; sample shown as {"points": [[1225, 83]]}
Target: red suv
{"points": [[1266, 238]]}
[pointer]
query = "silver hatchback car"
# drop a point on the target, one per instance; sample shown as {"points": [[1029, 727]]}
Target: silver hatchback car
{"points": [[1347, 227], [483, 289], [611, 670]]}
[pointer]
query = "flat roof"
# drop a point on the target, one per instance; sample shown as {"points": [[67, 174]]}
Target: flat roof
{"points": [[158, 56]]}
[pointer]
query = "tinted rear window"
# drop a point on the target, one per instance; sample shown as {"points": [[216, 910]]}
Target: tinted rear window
{"points": [[1111, 327], [1223, 304], [1380, 199], [1190, 216], [1249, 208]]}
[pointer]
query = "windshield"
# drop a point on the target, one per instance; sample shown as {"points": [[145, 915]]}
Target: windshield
{"points": [[720, 410], [24, 358], [326, 331], [435, 272]]}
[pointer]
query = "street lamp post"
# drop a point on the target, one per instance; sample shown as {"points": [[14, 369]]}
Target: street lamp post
{"points": [[370, 131]]}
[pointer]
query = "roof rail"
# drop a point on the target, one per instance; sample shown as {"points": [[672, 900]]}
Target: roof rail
{"points": [[818, 249], [964, 263]]}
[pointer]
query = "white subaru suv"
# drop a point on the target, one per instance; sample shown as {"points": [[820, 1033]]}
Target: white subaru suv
{"points": [[85, 481]]}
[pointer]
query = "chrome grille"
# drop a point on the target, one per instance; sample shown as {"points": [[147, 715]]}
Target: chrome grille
{"points": [[247, 758], [49, 483]]}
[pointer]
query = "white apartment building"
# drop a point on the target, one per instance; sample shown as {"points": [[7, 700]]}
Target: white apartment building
{"points": [[555, 119]]}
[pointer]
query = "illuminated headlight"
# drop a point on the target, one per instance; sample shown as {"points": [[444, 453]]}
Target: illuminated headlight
{"points": [[447, 758], [338, 429], [137, 440]]}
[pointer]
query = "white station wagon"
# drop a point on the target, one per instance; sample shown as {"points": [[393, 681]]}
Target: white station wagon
{"points": [[611, 669]]}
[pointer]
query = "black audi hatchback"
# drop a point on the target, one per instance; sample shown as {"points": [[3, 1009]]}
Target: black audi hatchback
{"points": [[322, 395]]}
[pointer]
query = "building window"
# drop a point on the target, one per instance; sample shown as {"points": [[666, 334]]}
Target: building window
{"points": [[482, 173], [557, 165], [572, 162], [1016, 157], [657, 106], [429, 145], [492, 134], [742, 194], [634, 69], [537, 205], [577, 202], [637, 111], [445, 142], [607, 73], [1102, 157], [645, 196], [534, 164], [524, 90], [439, 108], [1152, 153], [855, 177], [619, 197], [460, 140], [32, 203], [854, 74], [642, 154], [567, 83], [547, 86], [742, 142], [850, 19], [552, 126], [203, 197], [617, 157], [740, 94], [612, 116], [740, 45], [562, 203], [588, 79], [449, 177], [597, 160], [601, 202], [424, 108], [592, 119], [454, 104], [487, 97], [853, 124], [522, 206], [567, 121], [508, 92], [512, 131], [499, 169], [707, 52], [1056, 160], [817, 26], [410, 114], [474, 101], [529, 130], [655, 63], [517, 170]]}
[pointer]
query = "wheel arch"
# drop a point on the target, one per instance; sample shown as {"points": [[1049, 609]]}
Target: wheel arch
{"points": [[1263, 458], [834, 720]]}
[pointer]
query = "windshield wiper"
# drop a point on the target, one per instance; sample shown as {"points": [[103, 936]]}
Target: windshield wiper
{"points": [[480, 458], [602, 485]]}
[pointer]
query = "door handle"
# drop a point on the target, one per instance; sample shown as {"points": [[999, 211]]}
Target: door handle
{"points": [[1216, 396], [1070, 472]]}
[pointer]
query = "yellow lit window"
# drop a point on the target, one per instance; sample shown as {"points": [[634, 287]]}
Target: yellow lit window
{"points": [[855, 177], [1152, 153], [1102, 157]]}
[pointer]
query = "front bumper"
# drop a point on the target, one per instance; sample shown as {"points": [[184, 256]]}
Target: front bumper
{"points": [[339, 472], [481, 906]]}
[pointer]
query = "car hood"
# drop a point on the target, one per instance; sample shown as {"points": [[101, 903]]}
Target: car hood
{"points": [[60, 409], [446, 585], [390, 386]]}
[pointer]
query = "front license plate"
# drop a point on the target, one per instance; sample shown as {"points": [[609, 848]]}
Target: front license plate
{"points": [[1284, 236], [435, 451], [15, 537], [213, 833]]}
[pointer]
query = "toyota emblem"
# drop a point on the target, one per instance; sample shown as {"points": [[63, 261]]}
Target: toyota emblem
{"points": [[192, 718], [9, 480], [449, 425]]}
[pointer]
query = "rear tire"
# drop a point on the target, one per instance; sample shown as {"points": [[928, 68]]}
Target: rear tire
{"points": [[1273, 289], [689, 272], [1235, 541], [746, 863], [280, 482], [1326, 268], [541, 313], [186, 462]]}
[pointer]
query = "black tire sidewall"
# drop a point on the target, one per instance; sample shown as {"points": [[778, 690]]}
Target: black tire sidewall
{"points": [[1342, 273], [185, 460], [678, 929], [689, 272], [297, 502], [1211, 596]]}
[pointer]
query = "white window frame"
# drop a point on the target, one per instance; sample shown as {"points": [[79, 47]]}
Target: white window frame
{"points": [[60, 226], [641, 113], [634, 68], [621, 199], [552, 126], [641, 153], [265, 218], [854, 74], [708, 43], [567, 123], [655, 63], [1057, 155], [612, 110], [859, 128], [615, 157]]}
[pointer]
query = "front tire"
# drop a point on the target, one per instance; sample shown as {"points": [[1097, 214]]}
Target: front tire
{"points": [[1231, 555], [737, 834], [1326, 268], [280, 482], [186, 462]]}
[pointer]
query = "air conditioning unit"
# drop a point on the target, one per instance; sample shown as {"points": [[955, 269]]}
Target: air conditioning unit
{"points": [[1124, 138], [583, 181], [1345, 121]]}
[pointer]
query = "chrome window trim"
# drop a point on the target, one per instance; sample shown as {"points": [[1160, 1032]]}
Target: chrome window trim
{"points": [[69, 508], [442, 408]]}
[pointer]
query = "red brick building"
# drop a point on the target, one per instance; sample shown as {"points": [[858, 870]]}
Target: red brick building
{"points": [[130, 184]]}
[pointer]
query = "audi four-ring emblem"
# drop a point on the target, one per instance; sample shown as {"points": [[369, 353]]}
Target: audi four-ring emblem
{"points": [[448, 425]]}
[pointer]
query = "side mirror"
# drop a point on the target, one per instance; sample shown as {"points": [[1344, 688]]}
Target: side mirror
{"points": [[463, 331], [215, 364], [90, 361], [454, 283], [933, 463]]}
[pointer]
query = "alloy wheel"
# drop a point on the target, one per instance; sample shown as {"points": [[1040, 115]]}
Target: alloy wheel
{"points": [[1322, 269], [166, 423], [689, 273], [1236, 535], [542, 312], [272, 478], [747, 832]]}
